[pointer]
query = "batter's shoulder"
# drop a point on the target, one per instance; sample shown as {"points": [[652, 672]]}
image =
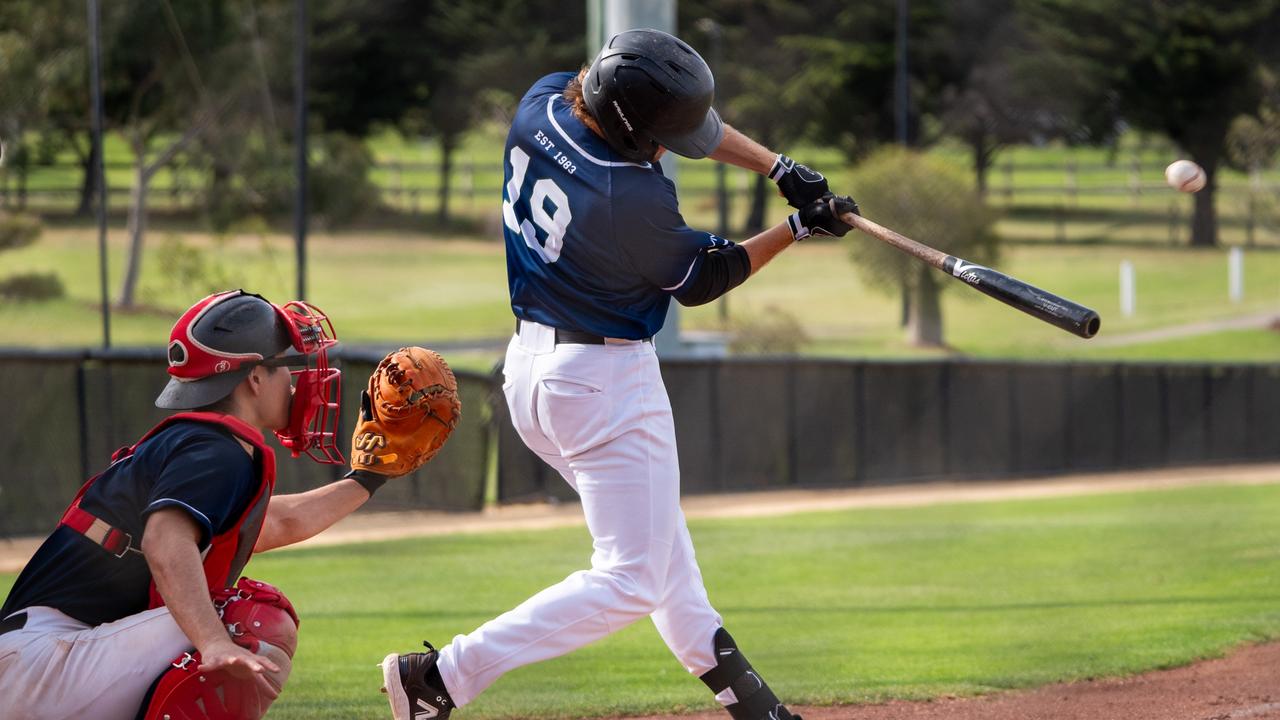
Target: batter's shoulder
{"points": [[644, 186], [552, 84]]}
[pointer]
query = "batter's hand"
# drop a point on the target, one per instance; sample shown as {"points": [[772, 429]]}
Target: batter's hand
{"points": [[822, 217], [799, 184], [241, 663]]}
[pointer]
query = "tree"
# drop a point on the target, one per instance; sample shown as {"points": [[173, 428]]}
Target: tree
{"points": [[1186, 69], [1254, 140], [35, 64], [20, 102], [1252, 145], [847, 78], [56, 32], [822, 71], [516, 46], [173, 75], [984, 80], [461, 37], [927, 198], [974, 73], [434, 68], [757, 86], [370, 63]]}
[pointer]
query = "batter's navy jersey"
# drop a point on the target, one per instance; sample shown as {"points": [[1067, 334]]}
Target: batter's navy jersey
{"points": [[594, 243], [196, 467]]}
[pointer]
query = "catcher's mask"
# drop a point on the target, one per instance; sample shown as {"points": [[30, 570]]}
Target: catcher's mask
{"points": [[219, 340]]}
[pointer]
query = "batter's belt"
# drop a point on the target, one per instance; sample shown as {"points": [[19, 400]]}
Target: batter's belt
{"points": [[578, 337]]}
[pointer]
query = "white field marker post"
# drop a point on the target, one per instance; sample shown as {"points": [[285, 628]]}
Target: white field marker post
{"points": [[1235, 274], [1128, 289]]}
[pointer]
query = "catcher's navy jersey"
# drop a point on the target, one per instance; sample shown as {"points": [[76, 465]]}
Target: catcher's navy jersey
{"points": [[196, 467], [594, 243]]}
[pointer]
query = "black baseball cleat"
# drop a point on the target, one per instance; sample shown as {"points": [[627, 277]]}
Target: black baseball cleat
{"points": [[414, 687]]}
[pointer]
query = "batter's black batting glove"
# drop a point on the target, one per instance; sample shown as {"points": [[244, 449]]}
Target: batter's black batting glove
{"points": [[822, 217], [799, 184]]}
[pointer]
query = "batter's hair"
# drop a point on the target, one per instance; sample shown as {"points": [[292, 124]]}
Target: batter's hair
{"points": [[573, 96]]}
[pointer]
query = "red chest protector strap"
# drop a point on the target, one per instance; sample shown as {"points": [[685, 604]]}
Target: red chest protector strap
{"points": [[118, 542]]}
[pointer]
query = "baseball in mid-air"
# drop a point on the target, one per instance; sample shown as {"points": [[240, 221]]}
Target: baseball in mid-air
{"points": [[1184, 176]]}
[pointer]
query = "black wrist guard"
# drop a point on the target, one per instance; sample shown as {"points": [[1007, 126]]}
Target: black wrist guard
{"points": [[369, 481]]}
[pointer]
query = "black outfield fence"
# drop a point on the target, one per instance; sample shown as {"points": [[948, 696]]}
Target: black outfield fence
{"points": [[742, 424], [784, 423], [68, 411]]}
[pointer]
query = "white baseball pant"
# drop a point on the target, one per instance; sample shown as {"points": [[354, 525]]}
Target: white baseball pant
{"points": [[57, 667], [599, 414]]}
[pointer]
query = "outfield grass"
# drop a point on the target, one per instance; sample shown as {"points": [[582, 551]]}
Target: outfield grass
{"points": [[848, 606], [389, 288]]}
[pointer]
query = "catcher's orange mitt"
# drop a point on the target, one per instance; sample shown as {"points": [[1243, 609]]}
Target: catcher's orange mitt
{"points": [[407, 413]]}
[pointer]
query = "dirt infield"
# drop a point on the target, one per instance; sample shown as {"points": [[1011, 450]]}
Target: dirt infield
{"points": [[1245, 684]]}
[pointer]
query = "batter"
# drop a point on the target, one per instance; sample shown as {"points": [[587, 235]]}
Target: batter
{"points": [[596, 248]]}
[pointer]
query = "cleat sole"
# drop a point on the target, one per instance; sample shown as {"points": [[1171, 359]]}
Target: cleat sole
{"points": [[394, 688]]}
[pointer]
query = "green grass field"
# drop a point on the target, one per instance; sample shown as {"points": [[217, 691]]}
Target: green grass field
{"points": [[394, 286], [835, 607], [386, 287], [1098, 194]]}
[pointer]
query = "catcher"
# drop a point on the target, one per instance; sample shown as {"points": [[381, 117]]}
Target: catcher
{"points": [[134, 607]]}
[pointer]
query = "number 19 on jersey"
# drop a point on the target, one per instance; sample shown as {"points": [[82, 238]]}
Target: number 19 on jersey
{"points": [[553, 224]]}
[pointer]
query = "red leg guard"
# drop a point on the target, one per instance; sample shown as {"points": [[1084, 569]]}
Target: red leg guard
{"points": [[258, 617], [255, 612]]}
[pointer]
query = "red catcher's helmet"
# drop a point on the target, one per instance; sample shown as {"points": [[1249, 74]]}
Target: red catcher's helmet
{"points": [[218, 341]]}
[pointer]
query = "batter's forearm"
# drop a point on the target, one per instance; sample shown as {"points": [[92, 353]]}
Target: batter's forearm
{"points": [[169, 545], [764, 247], [740, 150], [296, 517]]}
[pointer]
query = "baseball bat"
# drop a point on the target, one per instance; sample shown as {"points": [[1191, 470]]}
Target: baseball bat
{"points": [[1040, 304]]}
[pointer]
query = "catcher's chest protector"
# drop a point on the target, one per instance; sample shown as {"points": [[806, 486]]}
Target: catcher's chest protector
{"points": [[260, 618], [229, 551]]}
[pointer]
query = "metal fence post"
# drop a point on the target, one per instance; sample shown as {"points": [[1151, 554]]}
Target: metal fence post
{"points": [[1135, 182], [792, 421], [1072, 184], [82, 418]]}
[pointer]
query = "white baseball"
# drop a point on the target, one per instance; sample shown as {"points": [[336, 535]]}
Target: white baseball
{"points": [[1184, 176]]}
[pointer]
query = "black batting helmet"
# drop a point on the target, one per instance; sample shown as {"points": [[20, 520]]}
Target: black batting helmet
{"points": [[647, 88]]}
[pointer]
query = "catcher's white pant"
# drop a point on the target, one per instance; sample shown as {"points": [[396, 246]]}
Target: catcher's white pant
{"points": [[57, 667], [598, 414]]}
